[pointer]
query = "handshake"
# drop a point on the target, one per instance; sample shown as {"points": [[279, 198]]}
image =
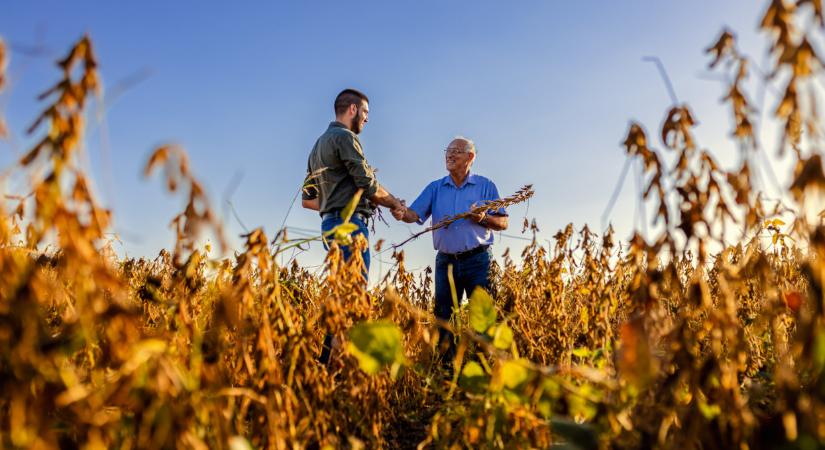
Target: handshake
{"points": [[400, 211]]}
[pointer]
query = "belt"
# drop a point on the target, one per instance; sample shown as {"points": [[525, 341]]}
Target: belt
{"points": [[337, 213], [466, 254]]}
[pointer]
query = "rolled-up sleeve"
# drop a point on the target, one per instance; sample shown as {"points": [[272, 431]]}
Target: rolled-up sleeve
{"points": [[353, 158]]}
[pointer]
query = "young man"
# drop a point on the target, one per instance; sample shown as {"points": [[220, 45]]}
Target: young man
{"points": [[336, 169], [465, 244]]}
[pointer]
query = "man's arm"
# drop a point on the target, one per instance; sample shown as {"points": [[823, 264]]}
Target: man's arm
{"points": [[313, 204], [353, 157], [494, 222], [384, 198], [406, 215], [349, 150], [309, 190], [420, 209]]}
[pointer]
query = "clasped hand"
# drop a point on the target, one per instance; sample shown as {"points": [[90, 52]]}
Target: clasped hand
{"points": [[477, 217], [399, 211]]}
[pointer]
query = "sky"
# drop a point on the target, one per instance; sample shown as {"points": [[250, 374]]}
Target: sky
{"points": [[546, 89]]}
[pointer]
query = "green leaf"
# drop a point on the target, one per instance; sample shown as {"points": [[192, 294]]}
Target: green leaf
{"points": [[578, 404], [551, 387], [376, 345], [545, 407], [342, 232], [473, 377], [502, 337], [576, 435], [515, 374], [346, 213], [550, 392], [482, 310]]}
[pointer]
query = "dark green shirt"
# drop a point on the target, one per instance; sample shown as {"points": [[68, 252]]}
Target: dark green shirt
{"points": [[336, 169]]}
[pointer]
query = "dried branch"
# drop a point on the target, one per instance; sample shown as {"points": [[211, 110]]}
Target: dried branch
{"points": [[520, 196]]}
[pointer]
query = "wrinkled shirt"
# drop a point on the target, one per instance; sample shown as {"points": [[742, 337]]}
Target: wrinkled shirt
{"points": [[340, 169], [442, 199]]}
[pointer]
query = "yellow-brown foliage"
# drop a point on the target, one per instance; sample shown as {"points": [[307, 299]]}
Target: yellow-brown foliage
{"points": [[681, 341]]}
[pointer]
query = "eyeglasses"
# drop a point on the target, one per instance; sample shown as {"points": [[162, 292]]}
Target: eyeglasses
{"points": [[454, 151]]}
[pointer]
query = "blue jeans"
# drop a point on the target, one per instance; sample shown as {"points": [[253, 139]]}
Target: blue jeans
{"points": [[468, 273], [332, 222], [327, 225]]}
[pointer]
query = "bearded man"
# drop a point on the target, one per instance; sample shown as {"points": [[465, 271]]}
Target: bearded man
{"points": [[336, 169]]}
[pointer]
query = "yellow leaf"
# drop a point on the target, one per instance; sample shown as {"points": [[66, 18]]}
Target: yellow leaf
{"points": [[482, 310], [502, 337], [346, 213], [239, 443], [342, 232], [376, 345], [515, 374]]}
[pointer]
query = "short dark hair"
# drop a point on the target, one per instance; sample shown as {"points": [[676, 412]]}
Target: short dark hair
{"points": [[349, 97]]}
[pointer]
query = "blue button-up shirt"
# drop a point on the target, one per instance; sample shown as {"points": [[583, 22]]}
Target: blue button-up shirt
{"points": [[442, 199]]}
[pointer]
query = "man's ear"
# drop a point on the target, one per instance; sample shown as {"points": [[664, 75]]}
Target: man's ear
{"points": [[353, 109]]}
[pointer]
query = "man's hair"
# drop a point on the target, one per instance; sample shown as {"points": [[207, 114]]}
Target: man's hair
{"points": [[469, 145], [349, 97]]}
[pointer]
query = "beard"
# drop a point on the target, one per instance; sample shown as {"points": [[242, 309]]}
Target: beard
{"points": [[357, 125]]}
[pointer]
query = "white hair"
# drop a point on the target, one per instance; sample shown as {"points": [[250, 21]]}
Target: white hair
{"points": [[469, 145]]}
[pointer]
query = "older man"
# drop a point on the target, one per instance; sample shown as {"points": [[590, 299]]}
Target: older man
{"points": [[464, 246]]}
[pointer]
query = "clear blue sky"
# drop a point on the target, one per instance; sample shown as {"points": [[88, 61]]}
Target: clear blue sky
{"points": [[545, 88]]}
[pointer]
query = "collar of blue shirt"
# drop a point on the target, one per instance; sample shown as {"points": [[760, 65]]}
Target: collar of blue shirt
{"points": [[448, 180]]}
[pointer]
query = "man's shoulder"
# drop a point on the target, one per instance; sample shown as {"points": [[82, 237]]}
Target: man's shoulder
{"points": [[431, 188], [481, 179], [435, 184], [339, 132], [335, 137]]}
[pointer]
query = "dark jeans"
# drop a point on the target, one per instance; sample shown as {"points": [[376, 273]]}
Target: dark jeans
{"points": [[327, 225], [468, 273], [332, 222]]}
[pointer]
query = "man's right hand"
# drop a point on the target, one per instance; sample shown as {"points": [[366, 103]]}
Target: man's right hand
{"points": [[405, 215], [399, 211]]}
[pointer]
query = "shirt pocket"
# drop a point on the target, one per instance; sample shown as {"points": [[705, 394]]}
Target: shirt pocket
{"points": [[466, 200]]}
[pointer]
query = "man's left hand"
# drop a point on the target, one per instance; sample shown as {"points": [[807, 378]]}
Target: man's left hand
{"points": [[479, 216]]}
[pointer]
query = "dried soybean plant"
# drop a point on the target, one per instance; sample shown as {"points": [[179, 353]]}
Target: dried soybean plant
{"points": [[522, 195], [197, 212], [679, 340], [53, 304]]}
